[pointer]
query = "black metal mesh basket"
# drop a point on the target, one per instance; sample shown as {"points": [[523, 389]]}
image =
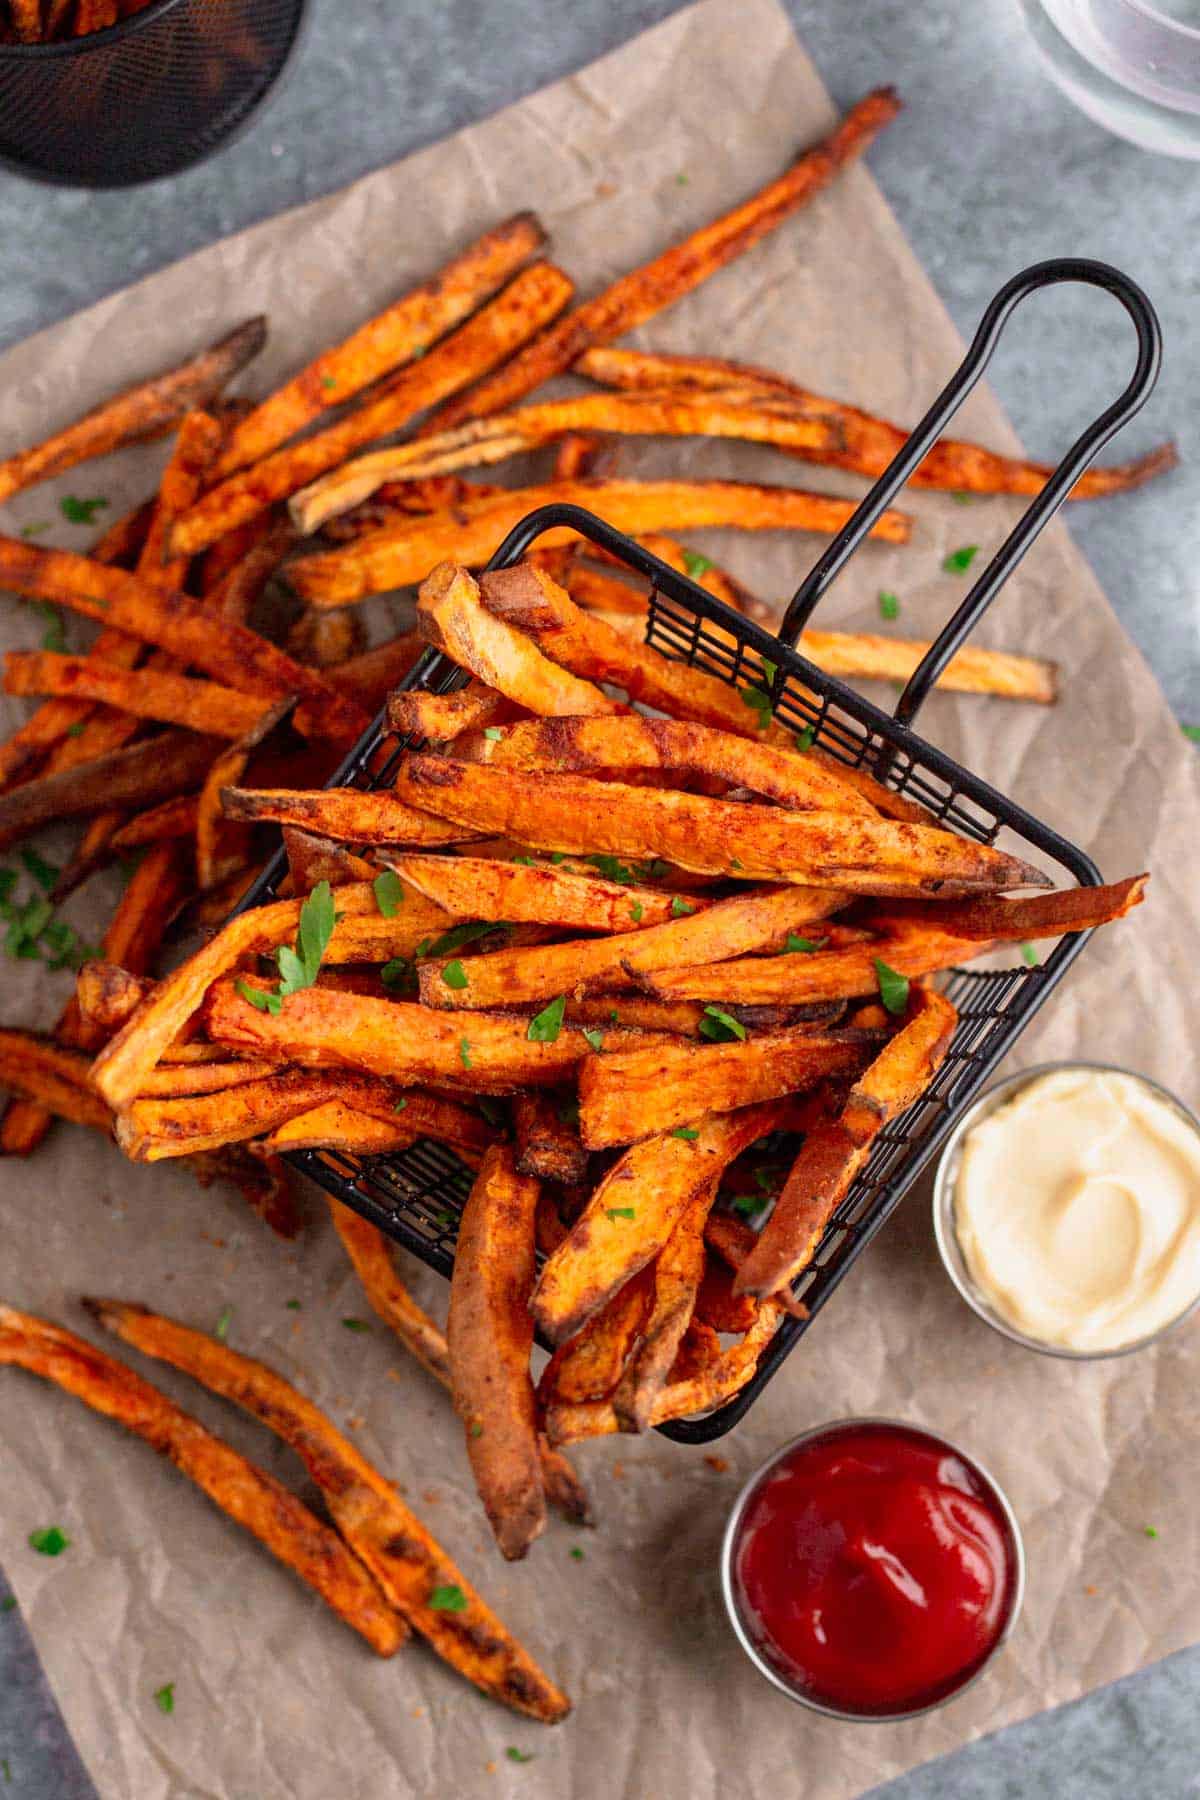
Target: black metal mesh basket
{"points": [[416, 1196], [144, 98]]}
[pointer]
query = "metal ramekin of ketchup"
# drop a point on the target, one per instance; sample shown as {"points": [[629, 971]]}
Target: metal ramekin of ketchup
{"points": [[871, 1570]]}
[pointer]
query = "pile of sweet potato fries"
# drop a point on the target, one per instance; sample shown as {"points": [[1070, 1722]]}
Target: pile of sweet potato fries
{"points": [[655, 969], [54, 21]]}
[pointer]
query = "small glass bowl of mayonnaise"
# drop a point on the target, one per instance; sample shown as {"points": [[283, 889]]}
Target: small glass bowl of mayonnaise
{"points": [[1066, 1209]]}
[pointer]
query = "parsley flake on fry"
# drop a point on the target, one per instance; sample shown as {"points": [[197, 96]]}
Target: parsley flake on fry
{"points": [[389, 893], [448, 1599], [620, 1212], [545, 1026], [893, 988]]}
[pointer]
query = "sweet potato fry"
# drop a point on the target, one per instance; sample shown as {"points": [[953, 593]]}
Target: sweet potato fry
{"points": [[588, 1365], [233, 655], [833, 1153], [138, 776], [142, 412], [148, 694], [716, 1303], [220, 845], [718, 837], [866, 656], [121, 1067], [633, 1212], [490, 1337], [821, 975], [548, 1145], [870, 443], [241, 588], [449, 615], [27, 20], [408, 1564], [172, 1081], [563, 746], [399, 554], [482, 442], [645, 291], [108, 994], [527, 303], [312, 859], [638, 1093], [369, 678], [678, 1271], [1012, 921], [476, 887], [440, 717], [681, 1017], [503, 978], [55, 1078], [346, 813], [252, 1498], [172, 819], [336, 1126]]}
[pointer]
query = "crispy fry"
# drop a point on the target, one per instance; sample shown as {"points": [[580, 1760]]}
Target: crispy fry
{"points": [[656, 1180], [399, 554], [171, 819], [369, 678], [719, 837], [821, 975], [866, 656], [869, 443], [678, 1271], [144, 411], [490, 1336], [346, 813], [312, 859], [404, 330], [450, 616], [588, 1365], [149, 694], [476, 887], [336, 1126], [408, 1564], [233, 655], [645, 291], [833, 1153], [527, 303], [54, 1078], [633, 1094], [252, 1498], [242, 586], [716, 1303], [139, 775], [1011, 921], [548, 1145], [392, 1037], [181, 1080], [579, 745], [108, 994], [221, 846], [729, 928], [27, 20], [482, 442], [441, 717]]}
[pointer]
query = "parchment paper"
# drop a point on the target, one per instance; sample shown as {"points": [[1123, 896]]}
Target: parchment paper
{"points": [[274, 1698]]}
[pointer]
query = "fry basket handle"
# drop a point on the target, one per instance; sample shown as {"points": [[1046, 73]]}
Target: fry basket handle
{"points": [[1040, 511]]}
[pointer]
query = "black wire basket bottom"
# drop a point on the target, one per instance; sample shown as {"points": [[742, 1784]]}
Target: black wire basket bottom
{"points": [[147, 97]]}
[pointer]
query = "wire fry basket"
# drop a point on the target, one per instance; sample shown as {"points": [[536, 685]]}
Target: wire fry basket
{"points": [[145, 98], [416, 1196]]}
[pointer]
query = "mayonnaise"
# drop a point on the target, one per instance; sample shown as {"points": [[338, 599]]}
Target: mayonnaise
{"points": [[1077, 1208]]}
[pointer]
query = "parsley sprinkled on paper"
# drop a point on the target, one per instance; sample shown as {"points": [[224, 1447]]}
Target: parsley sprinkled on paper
{"points": [[9, 1603], [687, 1132], [575, 1553], [889, 605], [454, 975], [961, 499], [804, 739], [960, 560], [55, 635], [1151, 1531], [893, 988], [36, 529], [164, 1697], [80, 512], [448, 1599], [695, 564], [720, 1026], [545, 1026], [1029, 955], [619, 1212], [292, 1305], [223, 1324], [356, 1325], [680, 908], [43, 872], [1193, 732], [51, 1540], [512, 1753], [389, 893]]}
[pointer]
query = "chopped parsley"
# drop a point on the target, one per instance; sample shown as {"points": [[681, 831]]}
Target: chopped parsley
{"points": [[55, 635], [9, 1603], [748, 1204], [528, 862], [400, 1104], [396, 973], [223, 1323], [464, 1052], [299, 967], [448, 1599], [44, 873], [696, 565], [475, 1429], [292, 1305], [1029, 955], [680, 908], [760, 703], [889, 605], [51, 1540], [1193, 732], [454, 975], [164, 1697], [493, 732], [619, 1212], [687, 1132], [1151, 1531], [512, 1753], [636, 911], [75, 730], [458, 935], [959, 561], [804, 739], [492, 1110], [893, 988], [960, 499], [327, 381], [545, 1026], [389, 893], [721, 1027], [575, 1553], [356, 1325], [594, 1037], [806, 945], [260, 998], [35, 932], [36, 529], [80, 512]]}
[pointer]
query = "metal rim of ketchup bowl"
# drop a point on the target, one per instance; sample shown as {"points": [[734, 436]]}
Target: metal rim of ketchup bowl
{"points": [[945, 1232], [733, 1529]]}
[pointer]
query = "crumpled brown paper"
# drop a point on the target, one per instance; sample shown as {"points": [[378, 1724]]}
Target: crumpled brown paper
{"points": [[274, 1698]]}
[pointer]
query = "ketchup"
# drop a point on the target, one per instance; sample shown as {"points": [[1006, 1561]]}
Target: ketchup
{"points": [[874, 1569]]}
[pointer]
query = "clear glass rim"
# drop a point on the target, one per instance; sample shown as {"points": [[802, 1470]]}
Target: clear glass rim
{"points": [[733, 1527], [946, 1237]]}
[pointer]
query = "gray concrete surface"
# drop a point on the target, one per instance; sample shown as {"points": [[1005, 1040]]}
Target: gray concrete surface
{"points": [[989, 169]]}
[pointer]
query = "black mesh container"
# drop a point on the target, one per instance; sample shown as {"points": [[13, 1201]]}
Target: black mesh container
{"points": [[416, 1196], [145, 98]]}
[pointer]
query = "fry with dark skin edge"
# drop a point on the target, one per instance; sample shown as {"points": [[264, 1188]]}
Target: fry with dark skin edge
{"points": [[172, 819], [678, 1271], [1011, 921], [477, 887], [221, 847], [398, 555], [645, 291], [490, 1336], [142, 412], [381, 1530], [833, 1153], [346, 813], [588, 1365], [336, 1126], [233, 655], [814, 849], [249, 1496], [147, 693], [656, 1180], [870, 443], [533, 298], [405, 329], [371, 1254], [547, 1142], [716, 1303], [52, 1078]]}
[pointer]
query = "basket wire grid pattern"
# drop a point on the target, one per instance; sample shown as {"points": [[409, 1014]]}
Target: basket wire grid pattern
{"points": [[416, 1196], [145, 98]]}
